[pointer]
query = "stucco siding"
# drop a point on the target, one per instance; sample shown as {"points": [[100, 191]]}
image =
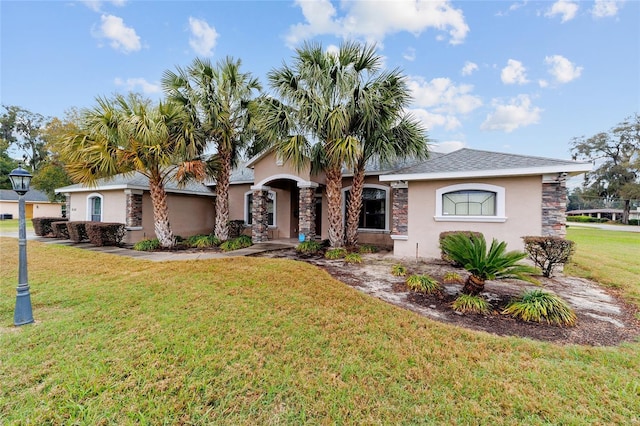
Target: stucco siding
{"points": [[523, 200], [32, 209]]}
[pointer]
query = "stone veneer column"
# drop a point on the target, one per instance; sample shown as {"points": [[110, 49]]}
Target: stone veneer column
{"points": [[400, 211], [134, 208], [307, 209], [260, 214], [554, 206]]}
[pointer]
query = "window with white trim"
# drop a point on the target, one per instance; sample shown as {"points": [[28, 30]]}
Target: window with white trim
{"points": [[271, 208], [375, 207], [471, 202], [94, 208]]}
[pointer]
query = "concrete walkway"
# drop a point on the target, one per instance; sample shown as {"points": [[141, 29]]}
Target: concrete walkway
{"points": [[155, 256]]}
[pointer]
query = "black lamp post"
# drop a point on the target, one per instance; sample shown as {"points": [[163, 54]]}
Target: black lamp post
{"points": [[20, 180]]}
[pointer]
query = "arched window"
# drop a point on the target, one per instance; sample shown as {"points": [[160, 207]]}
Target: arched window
{"points": [[375, 207], [271, 208], [94, 207], [471, 202]]}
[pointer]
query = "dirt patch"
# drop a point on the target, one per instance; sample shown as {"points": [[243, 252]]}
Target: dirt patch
{"points": [[603, 318]]}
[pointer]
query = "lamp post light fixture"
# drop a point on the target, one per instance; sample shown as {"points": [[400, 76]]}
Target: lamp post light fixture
{"points": [[20, 180]]}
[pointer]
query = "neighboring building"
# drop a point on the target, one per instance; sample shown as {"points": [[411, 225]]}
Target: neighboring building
{"points": [[36, 204], [611, 214], [126, 199], [504, 196]]}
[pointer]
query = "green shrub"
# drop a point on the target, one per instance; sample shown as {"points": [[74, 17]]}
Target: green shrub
{"points": [[203, 241], [335, 253], [241, 242], [634, 222], [105, 233], [452, 277], [147, 245], [537, 305], [423, 283], [353, 258], [548, 252], [586, 219], [367, 248], [467, 303], [444, 256], [42, 225], [398, 270], [309, 247], [60, 229]]}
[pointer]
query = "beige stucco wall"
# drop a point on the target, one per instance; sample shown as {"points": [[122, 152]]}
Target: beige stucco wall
{"points": [[523, 210], [113, 205], [32, 209]]}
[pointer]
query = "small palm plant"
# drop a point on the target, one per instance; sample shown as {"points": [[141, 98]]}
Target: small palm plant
{"points": [[470, 251], [537, 305]]}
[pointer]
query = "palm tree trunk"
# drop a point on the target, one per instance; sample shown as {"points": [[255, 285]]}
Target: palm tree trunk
{"points": [[222, 197], [354, 207], [334, 206], [161, 214], [473, 286]]}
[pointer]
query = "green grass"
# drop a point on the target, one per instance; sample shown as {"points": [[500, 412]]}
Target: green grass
{"points": [[12, 225], [610, 257], [266, 341]]}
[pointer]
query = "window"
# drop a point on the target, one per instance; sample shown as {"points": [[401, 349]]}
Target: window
{"points": [[471, 202], [375, 202], [94, 208], [271, 208]]}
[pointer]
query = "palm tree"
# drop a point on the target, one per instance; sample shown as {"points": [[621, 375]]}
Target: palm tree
{"points": [[128, 135], [386, 133], [218, 100], [470, 251], [312, 123]]}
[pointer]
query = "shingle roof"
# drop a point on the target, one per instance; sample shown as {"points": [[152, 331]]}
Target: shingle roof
{"points": [[473, 162], [137, 181], [33, 196]]}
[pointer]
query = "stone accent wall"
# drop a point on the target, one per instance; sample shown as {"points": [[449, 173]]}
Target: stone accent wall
{"points": [[554, 207], [400, 209], [307, 219], [259, 212], [134, 209]]}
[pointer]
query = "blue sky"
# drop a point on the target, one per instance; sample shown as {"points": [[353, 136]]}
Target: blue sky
{"points": [[515, 76]]}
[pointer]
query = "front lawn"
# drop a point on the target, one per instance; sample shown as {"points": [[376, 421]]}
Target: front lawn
{"points": [[268, 341]]}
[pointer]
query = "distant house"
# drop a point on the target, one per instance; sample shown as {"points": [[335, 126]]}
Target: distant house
{"points": [[36, 204], [611, 214], [405, 207]]}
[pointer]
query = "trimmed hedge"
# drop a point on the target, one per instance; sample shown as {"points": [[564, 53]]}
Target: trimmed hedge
{"points": [[60, 229], [42, 225], [77, 231], [105, 233], [548, 252], [586, 219], [445, 234]]}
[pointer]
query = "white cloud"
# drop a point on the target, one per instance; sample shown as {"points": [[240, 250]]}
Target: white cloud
{"points": [[447, 146], [469, 68], [508, 117], [562, 69], [132, 85], [543, 83], [96, 5], [121, 37], [567, 9], [514, 73], [203, 38], [372, 21], [409, 54], [442, 95], [605, 8], [431, 120]]}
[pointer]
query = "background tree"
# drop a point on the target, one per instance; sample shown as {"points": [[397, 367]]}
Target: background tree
{"points": [[616, 155], [314, 120], [128, 135], [218, 100], [7, 164], [23, 130]]}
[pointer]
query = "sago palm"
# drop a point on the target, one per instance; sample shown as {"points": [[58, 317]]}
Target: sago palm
{"points": [[219, 100], [312, 121], [471, 252], [128, 135]]}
